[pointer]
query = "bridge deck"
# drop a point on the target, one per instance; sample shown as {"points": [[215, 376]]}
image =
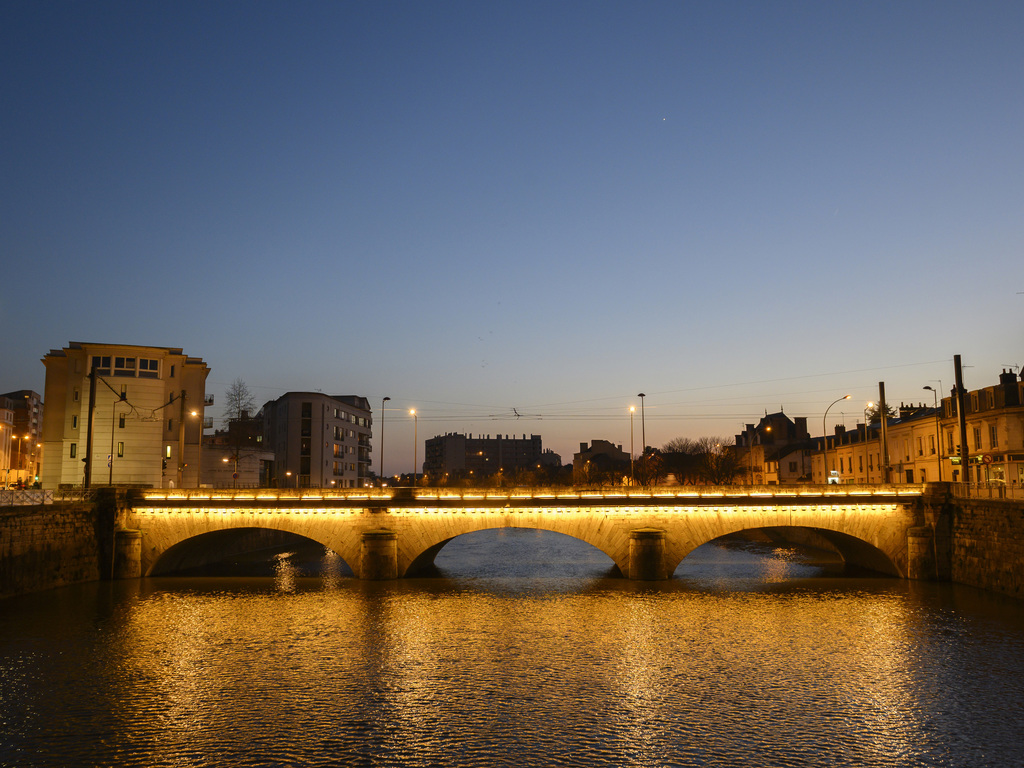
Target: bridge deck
{"points": [[397, 498]]}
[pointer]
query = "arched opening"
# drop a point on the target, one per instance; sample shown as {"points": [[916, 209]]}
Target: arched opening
{"points": [[249, 552], [784, 553], [513, 553]]}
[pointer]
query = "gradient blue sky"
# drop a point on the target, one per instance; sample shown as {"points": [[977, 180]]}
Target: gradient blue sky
{"points": [[546, 206]]}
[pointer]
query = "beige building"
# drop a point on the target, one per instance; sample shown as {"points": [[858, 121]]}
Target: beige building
{"points": [[924, 443], [145, 406]]}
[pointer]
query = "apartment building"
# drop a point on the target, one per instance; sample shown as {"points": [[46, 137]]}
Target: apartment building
{"points": [[453, 456], [318, 440], [21, 436], [137, 409]]}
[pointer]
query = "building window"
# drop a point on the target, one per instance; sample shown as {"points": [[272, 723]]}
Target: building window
{"points": [[167, 452], [170, 425], [993, 436], [120, 421], [172, 371], [974, 402], [860, 463], [148, 369], [120, 450], [977, 438], [931, 445], [949, 442], [74, 394], [74, 422], [920, 447], [74, 450], [124, 366], [101, 364]]}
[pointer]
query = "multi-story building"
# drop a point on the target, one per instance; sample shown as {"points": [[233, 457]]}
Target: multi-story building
{"points": [[25, 434], [455, 456], [144, 406], [318, 440], [995, 433], [857, 456], [237, 456], [601, 461], [775, 451]]}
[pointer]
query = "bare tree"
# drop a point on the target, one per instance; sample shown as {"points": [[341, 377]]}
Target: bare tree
{"points": [[682, 458], [238, 400], [719, 462]]}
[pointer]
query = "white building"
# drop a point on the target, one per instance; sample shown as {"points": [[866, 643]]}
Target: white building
{"points": [[146, 410]]}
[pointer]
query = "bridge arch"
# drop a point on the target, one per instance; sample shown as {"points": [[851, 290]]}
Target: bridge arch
{"points": [[424, 563], [216, 546], [850, 550]]}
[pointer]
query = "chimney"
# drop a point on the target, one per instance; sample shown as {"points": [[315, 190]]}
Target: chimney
{"points": [[1011, 392]]}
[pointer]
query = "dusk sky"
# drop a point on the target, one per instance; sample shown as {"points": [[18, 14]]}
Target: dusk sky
{"points": [[486, 208]]}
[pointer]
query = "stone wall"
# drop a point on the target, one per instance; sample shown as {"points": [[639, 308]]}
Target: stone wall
{"points": [[987, 544], [54, 545]]}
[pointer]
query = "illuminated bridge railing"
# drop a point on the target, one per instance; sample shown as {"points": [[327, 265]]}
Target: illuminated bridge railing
{"points": [[523, 497]]}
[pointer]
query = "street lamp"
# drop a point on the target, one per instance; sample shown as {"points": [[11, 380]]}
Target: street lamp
{"points": [[415, 439], [825, 434], [643, 438], [938, 430], [384, 400], [632, 475]]}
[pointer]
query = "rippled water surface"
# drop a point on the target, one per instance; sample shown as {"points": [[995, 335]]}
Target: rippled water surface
{"points": [[524, 650]]}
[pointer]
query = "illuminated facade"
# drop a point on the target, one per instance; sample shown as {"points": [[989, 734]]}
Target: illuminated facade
{"points": [[146, 406], [22, 436], [924, 442], [995, 433], [318, 440]]}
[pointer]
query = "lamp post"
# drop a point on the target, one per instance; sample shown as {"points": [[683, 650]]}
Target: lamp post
{"points": [[825, 434], [938, 430], [632, 474], [415, 441], [199, 459], [384, 400], [643, 439]]}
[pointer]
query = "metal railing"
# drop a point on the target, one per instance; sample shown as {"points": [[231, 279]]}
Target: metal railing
{"points": [[988, 490]]}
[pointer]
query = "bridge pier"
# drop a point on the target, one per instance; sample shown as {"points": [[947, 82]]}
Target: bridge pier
{"points": [[127, 554], [378, 555], [647, 554]]}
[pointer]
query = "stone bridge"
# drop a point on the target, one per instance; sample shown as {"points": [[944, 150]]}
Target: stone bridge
{"points": [[391, 533]]}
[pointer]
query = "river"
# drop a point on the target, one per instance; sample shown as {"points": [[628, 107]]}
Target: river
{"points": [[523, 649]]}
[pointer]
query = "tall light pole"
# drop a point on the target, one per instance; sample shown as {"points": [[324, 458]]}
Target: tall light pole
{"points": [[825, 434], [415, 442], [632, 474], [938, 429], [643, 439], [384, 400]]}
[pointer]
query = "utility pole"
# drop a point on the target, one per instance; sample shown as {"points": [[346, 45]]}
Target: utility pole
{"points": [[88, 438], [961, 414], [886, 469], [181, 439]]}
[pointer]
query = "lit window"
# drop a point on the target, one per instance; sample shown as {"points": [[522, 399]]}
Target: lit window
{"points": [[167, 452], [120, 450]]}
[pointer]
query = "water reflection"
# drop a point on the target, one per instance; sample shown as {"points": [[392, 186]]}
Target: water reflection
{"points": [[519, 652]]}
